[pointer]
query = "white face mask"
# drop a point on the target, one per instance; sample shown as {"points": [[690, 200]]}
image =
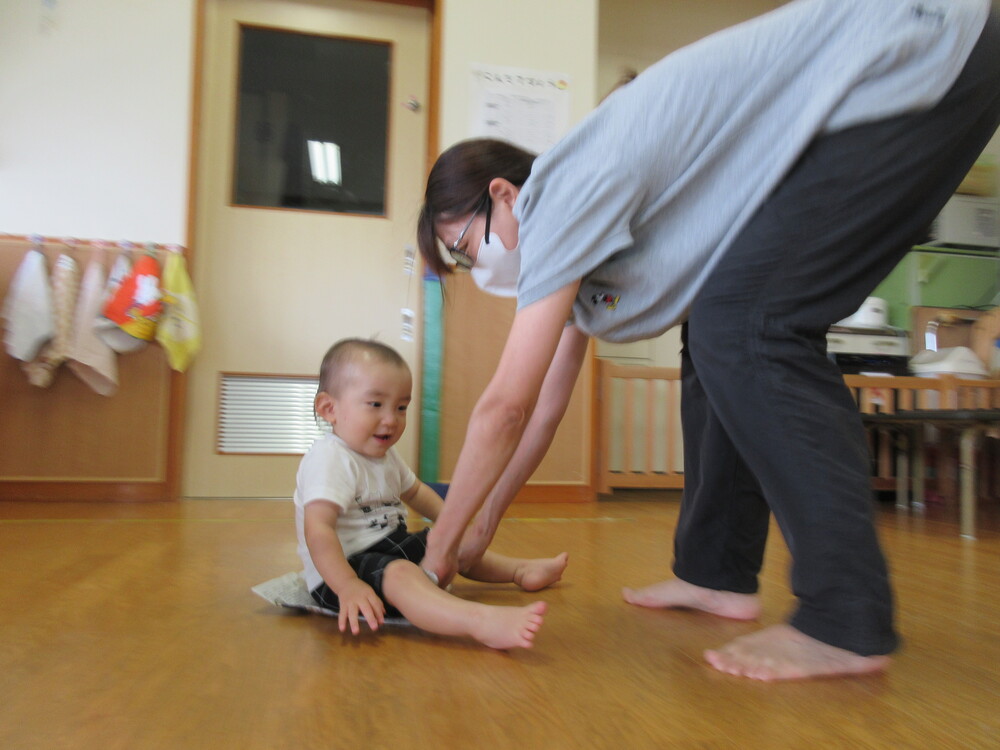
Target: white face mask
{"points": [[497, 268]]}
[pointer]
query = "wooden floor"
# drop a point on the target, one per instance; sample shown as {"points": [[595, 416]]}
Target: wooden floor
{"points": [[133, 626]]}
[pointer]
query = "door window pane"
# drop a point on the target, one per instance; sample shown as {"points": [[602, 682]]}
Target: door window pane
{"points": [[312, 121]]}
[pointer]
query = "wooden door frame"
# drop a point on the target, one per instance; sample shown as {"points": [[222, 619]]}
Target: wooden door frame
{"points": [[178, 385]]}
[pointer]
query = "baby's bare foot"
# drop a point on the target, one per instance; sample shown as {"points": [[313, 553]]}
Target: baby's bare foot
{"points": [[533, 575], [509, 627], [781, 652], [677, 593]]}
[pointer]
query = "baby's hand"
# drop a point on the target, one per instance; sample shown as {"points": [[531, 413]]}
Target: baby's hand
{"points": [[358, 598]]}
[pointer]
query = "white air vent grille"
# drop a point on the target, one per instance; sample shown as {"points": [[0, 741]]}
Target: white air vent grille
{"points": [[267, 414]]}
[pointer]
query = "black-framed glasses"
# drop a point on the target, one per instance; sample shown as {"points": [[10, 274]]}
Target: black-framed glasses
{"points": [[462, 259]]}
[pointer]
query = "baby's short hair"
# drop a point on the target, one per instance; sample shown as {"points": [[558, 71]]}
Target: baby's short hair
{"points": [[349, 351]]}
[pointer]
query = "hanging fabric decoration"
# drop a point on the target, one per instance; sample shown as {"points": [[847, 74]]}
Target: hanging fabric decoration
{"points": [[65, 286], [90, 357], [108, 330], [28, 317], [137, 304], [179, 330]]}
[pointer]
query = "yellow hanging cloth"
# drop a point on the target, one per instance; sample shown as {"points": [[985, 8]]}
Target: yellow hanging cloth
{"points": [[179, 331]]}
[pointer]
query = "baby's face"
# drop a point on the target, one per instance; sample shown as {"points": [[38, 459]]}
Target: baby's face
{"points": [[370, 410]]}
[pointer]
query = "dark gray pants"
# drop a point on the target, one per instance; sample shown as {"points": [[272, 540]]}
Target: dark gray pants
{"points": [[769, 425]]}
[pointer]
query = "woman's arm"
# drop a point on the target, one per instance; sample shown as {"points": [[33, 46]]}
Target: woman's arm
{"points": [[498, 422], [553, 399]]}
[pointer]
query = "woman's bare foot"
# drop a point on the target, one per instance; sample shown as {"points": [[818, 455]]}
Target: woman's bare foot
{"points": [[781, 652], [677, 593], [533, 575], [508, 627]]}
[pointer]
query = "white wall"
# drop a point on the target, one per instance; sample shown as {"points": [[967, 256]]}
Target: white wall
{"points": [[554, 35], [95, 99]]}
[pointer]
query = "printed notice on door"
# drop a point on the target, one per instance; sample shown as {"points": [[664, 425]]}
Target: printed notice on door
{"points": [[529, 108]]}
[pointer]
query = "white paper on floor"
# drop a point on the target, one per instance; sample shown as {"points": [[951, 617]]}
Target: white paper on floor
{"points": [[289, 591]]}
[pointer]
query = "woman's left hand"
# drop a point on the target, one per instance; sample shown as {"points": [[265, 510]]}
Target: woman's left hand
{"points": [[475, 541]]}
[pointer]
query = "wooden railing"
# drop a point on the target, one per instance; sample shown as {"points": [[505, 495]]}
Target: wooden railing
{"points": [[638, 443], [638, 427], [889, 395]]}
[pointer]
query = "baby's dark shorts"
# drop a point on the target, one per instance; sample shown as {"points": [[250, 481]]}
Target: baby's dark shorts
{"points": [[370, 565]]}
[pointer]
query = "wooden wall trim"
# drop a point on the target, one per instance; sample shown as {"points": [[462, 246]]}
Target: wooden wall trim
{"points": [[429, 4], [434, 86], [178, 382], [87, 491], [556, 493], [596, 404]]}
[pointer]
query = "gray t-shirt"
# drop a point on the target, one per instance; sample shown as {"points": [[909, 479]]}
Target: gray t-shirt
{"points": [[643, 197]]}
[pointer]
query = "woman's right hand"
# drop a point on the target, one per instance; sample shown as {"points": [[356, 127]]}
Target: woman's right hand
{"points": [[357, 598], [440, 561]]}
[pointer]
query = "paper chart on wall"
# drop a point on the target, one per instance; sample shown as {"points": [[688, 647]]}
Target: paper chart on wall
{"points": [[529, 108]]}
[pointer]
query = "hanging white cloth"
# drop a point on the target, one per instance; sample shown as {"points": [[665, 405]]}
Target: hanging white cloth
{"points": [[90, 357], [29, 321], [65, 286]]}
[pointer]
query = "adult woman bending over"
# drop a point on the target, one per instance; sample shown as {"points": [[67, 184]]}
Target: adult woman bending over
{"points": [[753, 187]]}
